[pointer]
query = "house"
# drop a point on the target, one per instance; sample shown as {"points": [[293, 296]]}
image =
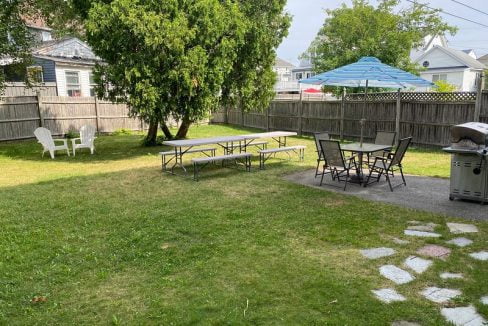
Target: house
{"points": [[456, 67], [304, 70], [284, 78], [484, 60]]}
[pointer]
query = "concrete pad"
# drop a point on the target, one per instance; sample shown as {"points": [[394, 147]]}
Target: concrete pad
{"points": [[463, 316], [375, 253], [457, 228], [400, 241], [388, 295], [434, 251], [439, 295], [404, 323], [419, 265], [460, 242], [421, 234], [484, 300], [422, 193], [395, 274], [482, 255], [446, 276]]}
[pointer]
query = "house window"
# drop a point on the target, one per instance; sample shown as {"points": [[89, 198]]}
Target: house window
{"points": [[92, 84], [309, 74], [73, 83], [299, 75], [34, 74], [438, 77]]}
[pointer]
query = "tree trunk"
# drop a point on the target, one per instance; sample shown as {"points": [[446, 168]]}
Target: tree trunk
{"points": [[167, 133], [152, 134], [183, 130]]}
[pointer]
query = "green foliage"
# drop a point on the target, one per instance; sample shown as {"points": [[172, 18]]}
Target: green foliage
{"points": [[122, 131], [444, 87], [72, 134], [350, 33]]}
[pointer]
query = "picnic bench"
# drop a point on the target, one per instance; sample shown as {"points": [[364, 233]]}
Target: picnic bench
{"points": [[209, 151], [265, 154], [222, 158]]}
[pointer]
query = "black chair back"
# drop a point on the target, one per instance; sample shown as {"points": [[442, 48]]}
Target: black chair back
{"points": [[385, 138], [331, 149], [318, 137], [400, 151]]}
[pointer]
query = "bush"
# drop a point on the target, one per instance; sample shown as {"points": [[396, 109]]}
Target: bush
{"points": [[72, 134], [122, 131]]}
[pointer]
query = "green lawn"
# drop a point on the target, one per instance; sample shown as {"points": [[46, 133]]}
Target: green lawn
{"points": [[109, 239]]}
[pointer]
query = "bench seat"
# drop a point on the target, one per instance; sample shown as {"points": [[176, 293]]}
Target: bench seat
{"points": [[172, 153], [221, 158], [265, 154]]}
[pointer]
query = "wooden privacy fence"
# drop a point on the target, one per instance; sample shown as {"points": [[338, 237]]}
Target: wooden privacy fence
{"points": [[20, 116], [427, 117]]}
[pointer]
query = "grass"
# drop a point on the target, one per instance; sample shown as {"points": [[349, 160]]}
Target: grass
{"points": [[108, 239]]}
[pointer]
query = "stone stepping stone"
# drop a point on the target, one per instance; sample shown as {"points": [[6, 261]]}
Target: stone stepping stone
{"points": [[426, 228], [376, 253], [421, 234], [434, 251], [463, 316], [400, 241], [460, 242], [404, 323], [446, 276], [484, 300], [419, 265], [462, 228], [482, 255], [439, 295], [388, 295], [395, 274]]}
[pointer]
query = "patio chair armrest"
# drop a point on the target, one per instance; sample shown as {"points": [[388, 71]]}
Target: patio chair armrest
{"points": [[73, 140], [64, 140]]}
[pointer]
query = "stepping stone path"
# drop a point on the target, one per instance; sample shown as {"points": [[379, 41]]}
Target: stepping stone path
{"points": [[460, 242], [400, 241], [375, 253], [484, 300], [462, 228], [395, 274], [404, 323], [421, 234], [482, 255], [419, 265], [463, 316], [388, 295], [435, 251], [429, 227], [439, 295], [446, 276]]}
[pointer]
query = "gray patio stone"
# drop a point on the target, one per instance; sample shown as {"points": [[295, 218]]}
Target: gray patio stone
{"points": [[419, 265], [395, 274], [426, 228], [400, 241], [421, 234], [439, 295], [388, 295], [482, 255], [460, 242], [462, 228], [434, 251], [484, 300], [447, 276], [375, 253], [404, 323], [463, 316]]}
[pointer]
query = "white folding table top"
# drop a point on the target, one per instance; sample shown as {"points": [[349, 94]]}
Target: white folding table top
{"points": [[271, 134], [203, 141]]}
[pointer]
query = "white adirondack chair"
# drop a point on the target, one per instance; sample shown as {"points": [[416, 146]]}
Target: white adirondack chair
{"points": [[45, 138], [86, 140]]}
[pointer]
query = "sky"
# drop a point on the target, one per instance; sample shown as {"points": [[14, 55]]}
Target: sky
{"points": [[309, 16]]}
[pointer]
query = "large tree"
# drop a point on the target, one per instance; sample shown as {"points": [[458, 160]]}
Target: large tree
{"points": [[182, 59], [350, 33]]}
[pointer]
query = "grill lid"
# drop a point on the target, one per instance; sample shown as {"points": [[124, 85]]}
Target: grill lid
{"points": [[470, 132]]}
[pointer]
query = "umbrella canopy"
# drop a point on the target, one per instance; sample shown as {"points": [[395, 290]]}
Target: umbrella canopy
{"points": [[312, 90], [368, 71]]}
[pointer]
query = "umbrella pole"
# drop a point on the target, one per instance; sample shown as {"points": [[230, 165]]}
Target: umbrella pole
{"points": [[363, 120]]}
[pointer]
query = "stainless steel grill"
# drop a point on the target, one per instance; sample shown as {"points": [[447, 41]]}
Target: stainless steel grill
{"points": [[469, 166]]}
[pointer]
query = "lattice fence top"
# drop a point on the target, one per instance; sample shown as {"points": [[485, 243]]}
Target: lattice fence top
{"points": [[416, 96]]}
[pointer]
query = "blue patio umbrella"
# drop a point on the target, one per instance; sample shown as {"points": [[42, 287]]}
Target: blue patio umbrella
{"points": [[367, 72]]}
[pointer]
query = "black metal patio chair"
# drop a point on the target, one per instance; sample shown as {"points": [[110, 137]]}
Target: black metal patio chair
{"points": [[338, 166], [385, 165], [382, 138], [320, 136]]}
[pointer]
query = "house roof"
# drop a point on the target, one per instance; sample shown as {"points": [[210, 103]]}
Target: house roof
{"points": [[68, 49], [483, 59], [458, 55], [282, 63]]}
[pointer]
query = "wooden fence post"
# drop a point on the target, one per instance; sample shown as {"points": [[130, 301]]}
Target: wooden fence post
{"points": [[226, 114], [242, 117], [479, 95], [97, 114], [341, 122], [300, 114], [39, 109], [398, 115], [267, 116]]}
